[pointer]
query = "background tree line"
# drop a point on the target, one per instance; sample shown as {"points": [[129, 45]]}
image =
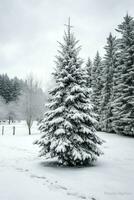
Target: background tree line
{"points": [[21, 99], [112, 81]]}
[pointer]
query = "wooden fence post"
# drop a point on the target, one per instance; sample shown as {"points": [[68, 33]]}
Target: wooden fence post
{"points": [[2, 130], [13, 130]]}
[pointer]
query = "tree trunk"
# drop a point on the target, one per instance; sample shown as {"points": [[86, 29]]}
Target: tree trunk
{"points": [[29, 124], [29, 130], [9, 120]]}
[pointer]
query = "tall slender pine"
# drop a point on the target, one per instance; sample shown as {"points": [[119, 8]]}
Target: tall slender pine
{"points": [[109, 65], [123, 120], [97, 83], [88, 69]]}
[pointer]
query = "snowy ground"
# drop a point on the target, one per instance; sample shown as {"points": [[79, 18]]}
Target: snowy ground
{"points": [[24, 176]]}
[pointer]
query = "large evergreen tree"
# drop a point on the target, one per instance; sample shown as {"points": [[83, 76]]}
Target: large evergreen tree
{"points": [[68, 125], [109, 66], [123, 120]]}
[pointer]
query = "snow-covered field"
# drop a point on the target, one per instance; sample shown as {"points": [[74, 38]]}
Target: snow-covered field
{"points": [[25, 176]]}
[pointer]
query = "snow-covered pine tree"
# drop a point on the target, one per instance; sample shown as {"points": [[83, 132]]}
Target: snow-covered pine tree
{"points": [[16, 88], [5, 88], [109, 64], [88, 69], [68, 125], [97, 83], [123, 119], [10, 89]]}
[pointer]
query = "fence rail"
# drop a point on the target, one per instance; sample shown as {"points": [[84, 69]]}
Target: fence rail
{"points": [[18, 129], [13, 128]]}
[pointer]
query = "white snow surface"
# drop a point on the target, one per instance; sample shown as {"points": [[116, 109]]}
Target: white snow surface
{"points": [[25, 176]]}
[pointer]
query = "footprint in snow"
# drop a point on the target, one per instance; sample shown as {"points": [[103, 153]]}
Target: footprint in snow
{"points": [[21, 169], [38, 177], [54, 185]]}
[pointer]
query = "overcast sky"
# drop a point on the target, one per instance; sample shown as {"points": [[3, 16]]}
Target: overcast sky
{"points": [[29, 30]]}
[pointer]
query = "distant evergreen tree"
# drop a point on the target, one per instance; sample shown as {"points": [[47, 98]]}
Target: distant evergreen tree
{"points": [[16, 88], [97, 83], [68, 125], [10, 89], [109, 66], [123, 119], [88, 69], [5, 88]]}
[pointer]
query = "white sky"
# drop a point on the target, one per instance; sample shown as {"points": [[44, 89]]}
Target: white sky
{"points": [[29, 30]]}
